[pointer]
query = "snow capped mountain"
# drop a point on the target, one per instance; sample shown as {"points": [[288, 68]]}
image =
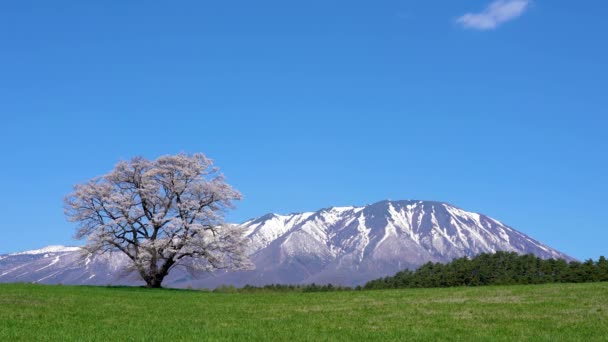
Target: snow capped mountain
{"points": [[340, 245], [49, 249], [350, 245]]}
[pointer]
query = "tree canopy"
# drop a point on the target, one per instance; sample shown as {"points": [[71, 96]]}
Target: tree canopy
{"points": [[161, 213], [500, 268]]}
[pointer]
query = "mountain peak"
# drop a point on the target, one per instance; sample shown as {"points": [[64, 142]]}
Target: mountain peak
{"points": [[381, 238]]}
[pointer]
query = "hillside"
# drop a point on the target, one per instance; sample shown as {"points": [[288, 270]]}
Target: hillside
{"points": [[497, 313]]}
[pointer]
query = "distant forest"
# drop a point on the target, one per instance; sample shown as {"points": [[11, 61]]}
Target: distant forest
{"points": [[500, 268]]}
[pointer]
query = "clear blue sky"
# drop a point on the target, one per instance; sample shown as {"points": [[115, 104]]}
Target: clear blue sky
{"points": [[309, 104]]}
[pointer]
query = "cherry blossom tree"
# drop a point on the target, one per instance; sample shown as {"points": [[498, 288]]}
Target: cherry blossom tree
{"points": [[162, 214]]}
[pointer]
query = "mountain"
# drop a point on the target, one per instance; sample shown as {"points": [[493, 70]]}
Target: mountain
{"points": [[339, 245]]}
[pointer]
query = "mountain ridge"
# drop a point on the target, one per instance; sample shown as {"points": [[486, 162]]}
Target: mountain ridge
{"points": [[345, 245]]}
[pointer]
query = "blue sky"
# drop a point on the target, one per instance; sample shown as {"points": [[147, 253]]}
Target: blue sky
{"points": [[309, 104]]}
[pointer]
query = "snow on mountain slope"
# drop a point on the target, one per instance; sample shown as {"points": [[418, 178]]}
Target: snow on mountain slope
{"points": [[350, 245], [49, 249], [340, 245]]}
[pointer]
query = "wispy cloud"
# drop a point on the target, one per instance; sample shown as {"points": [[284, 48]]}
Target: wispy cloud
{"points": [[497, 13]]}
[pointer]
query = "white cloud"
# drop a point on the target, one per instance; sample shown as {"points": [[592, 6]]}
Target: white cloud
{"points": [[497, 13]]}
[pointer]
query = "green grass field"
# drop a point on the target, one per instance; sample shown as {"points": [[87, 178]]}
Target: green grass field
{"points": [[539, 312]]}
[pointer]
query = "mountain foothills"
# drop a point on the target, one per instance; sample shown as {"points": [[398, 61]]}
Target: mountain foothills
{"points": [[338, 245]]}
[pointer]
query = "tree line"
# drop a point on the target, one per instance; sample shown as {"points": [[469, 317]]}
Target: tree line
{"points": [[500, 268]]}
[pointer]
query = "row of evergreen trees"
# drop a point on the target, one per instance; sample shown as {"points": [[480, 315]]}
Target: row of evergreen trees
{"points": [[500, 268]]}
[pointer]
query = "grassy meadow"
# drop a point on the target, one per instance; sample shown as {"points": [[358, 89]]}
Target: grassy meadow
{"points": [[553, 312]]}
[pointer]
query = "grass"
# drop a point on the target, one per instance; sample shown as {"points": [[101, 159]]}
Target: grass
{"points": [[555, 312]]}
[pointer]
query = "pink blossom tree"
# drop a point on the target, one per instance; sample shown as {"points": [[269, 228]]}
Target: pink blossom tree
{"points": [[162, 214]]}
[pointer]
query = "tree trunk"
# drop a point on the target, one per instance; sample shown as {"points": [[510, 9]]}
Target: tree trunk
{"points": [[155, 281], [153, 284], [155, 276]]}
